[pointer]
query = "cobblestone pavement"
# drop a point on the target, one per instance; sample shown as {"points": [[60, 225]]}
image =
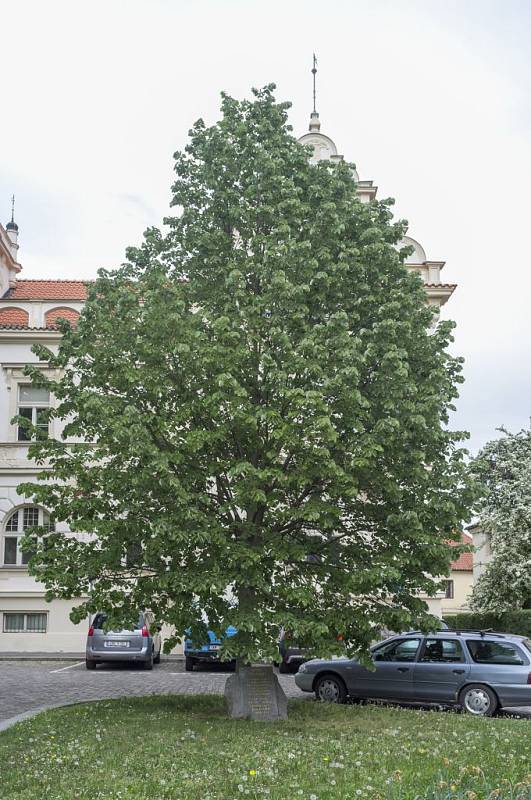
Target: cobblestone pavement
{"points": [[29, 685]]}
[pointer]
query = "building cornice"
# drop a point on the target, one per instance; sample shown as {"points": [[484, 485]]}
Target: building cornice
{"points": [[14, 301], [13, 335]]}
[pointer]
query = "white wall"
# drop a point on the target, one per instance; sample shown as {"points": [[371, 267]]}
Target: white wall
{"points": [[61, 636]]}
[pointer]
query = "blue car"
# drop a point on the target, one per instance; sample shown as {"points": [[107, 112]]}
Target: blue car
{"points": [[195, 653]]}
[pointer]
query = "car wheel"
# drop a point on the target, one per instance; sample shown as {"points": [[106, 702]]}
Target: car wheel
{"points": [[156, 660], [330, 689], [90, 664], [478, 700], [189, 664], [148, 664]]}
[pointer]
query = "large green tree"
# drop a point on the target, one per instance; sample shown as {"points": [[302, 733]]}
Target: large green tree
{"points": [[503, 471], [263, 408]]}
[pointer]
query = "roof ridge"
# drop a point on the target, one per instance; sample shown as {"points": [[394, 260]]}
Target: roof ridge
{"points": [[55, 280]]}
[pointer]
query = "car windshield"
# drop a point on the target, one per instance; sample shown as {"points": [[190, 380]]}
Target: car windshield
{"points": [[100, 620]]}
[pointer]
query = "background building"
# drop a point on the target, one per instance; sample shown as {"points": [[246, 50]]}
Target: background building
{"points": [[460, 582]]}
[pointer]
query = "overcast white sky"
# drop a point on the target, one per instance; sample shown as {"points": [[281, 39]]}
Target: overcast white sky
{"points": [[430, 98]]}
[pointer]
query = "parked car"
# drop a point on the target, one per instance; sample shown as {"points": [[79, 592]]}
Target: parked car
{"points": [[480, 671], [291, 655], [207, 652], [142, 644]]}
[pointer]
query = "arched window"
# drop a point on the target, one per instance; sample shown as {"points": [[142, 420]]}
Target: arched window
{"points": [[16, 523]]}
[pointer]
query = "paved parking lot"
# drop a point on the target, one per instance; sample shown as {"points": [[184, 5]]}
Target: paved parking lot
{"points": [[29, 685]]}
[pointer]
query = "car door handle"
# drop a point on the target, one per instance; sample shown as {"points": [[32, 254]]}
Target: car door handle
{"points": [[458, 671], [403, 669]]}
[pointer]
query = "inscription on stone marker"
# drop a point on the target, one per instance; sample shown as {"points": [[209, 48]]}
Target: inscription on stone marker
{"points": [[262, 697]]}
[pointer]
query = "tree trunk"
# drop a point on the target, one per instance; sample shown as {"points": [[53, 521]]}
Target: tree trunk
{"points": [[254, 692]]}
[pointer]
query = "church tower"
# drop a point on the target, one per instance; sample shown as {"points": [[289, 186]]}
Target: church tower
{"points": [[324, 148]]}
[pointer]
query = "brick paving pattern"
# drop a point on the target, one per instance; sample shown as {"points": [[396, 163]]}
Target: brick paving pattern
{"points": [[30, 685], [26, 685]]}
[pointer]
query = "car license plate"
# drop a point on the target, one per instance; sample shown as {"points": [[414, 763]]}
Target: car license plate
{"points": [[116, 644], [213, 647]]}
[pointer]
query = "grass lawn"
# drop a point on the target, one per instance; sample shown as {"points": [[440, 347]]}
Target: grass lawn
{"points": [[184, 748]]}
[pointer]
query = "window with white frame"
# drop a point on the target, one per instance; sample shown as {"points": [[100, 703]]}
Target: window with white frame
{"points": [[22, 622], [33, 405], [18, 522], [449, 590]]}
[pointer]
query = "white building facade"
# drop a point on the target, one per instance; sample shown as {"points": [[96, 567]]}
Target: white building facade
{"points": [[29, 310], [28, 314]]}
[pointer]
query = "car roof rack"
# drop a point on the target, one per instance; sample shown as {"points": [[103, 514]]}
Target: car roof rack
{"points": [[481, 632], [459, 631]]}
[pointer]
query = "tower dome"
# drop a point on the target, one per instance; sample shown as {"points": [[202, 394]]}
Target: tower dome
{"points": [[418, 256]]}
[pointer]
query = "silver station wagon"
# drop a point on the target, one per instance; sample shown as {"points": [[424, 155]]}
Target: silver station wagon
{"points": [[141, 644], [480, 671]]}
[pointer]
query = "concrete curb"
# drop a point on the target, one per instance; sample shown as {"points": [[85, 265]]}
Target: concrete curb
{"points": [[62, 657], [519, 713], [10, 721]]}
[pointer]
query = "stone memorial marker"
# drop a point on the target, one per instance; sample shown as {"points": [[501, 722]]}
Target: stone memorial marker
{"points": [[254, 692]]}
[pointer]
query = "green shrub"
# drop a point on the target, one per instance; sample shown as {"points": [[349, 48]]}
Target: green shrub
{"points": [[506, 621]]}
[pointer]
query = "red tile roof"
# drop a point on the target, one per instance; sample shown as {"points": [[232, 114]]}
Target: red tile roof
{"points": [[47, 290], [465, 561]]}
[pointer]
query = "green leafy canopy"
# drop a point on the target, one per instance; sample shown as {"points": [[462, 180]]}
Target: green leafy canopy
{"points": [[263, 406]]}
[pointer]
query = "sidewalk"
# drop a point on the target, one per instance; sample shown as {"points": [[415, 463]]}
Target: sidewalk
{"points": [[63, 657]]}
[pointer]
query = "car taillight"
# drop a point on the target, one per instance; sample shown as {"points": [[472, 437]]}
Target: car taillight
{"points": [[91, 630], [145, 631], [529, 678]]}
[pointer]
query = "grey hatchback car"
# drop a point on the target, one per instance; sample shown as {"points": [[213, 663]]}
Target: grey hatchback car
{"points": [[480, 671], [142, 644]]}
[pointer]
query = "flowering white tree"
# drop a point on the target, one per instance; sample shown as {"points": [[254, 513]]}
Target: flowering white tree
{"points": [[503, 468]]}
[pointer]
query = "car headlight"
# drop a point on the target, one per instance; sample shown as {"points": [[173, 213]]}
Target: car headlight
{"points": [[303, 668]]}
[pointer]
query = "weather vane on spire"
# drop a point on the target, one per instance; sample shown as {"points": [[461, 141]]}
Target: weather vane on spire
{"points": [[12, 208], [314, 72]]}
